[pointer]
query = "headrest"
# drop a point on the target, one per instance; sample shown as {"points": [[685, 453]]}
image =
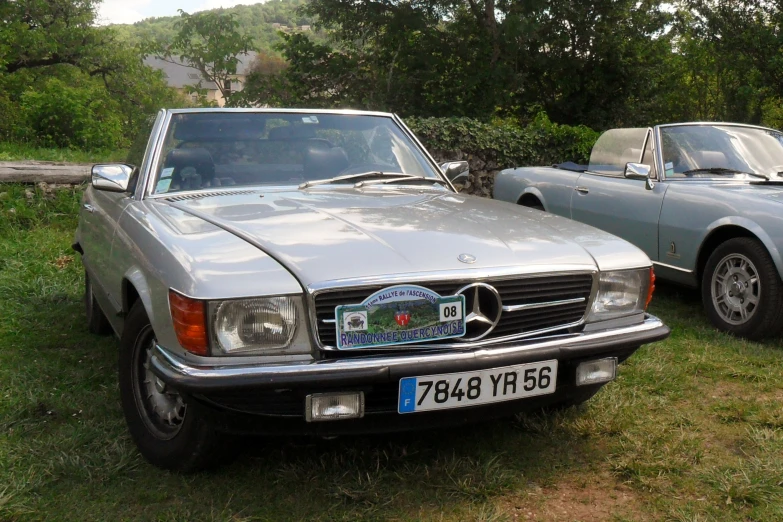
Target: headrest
{"points": [[199, 159], [325, 163], [292, 132], [707, 159]]}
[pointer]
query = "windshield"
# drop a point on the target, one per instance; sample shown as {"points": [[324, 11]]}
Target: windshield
{"points": [[224, 149], [720, 151]]}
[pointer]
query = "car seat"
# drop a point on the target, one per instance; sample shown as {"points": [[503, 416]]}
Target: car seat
{"points": [[193, 169]]}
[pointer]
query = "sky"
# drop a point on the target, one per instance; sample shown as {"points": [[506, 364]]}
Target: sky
{"points": [[129, 11]]}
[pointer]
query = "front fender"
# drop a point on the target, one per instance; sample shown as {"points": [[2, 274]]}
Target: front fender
{"points": [[752, 227]]}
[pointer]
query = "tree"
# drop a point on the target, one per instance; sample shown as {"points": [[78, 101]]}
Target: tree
{"points": [[211, 42], [583, 62], [40, 33]]}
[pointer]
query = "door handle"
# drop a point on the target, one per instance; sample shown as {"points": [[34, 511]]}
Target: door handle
{"points": [[582, 190], [89, 208]]}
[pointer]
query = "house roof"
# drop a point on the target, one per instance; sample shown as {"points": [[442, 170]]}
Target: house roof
{"points": [[179, 74]]}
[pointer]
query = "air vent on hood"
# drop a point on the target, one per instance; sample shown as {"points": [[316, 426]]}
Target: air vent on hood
{"points": [[200, 195]]}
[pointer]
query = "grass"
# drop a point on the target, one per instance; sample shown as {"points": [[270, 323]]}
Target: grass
{"points": [[692, 429], [21, 151]]}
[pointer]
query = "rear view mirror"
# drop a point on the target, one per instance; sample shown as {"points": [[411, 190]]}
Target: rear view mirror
{"points": [[456, 171], [111, 178]]}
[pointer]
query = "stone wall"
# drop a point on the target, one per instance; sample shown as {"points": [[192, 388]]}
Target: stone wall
{"points": [[482, 172]]}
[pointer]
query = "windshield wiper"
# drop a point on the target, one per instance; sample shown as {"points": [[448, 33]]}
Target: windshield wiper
{"points": [[370, 174], [721, 170], [399, 177]]}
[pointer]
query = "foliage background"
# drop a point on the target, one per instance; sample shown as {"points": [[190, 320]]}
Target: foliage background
{"points": [[524, 81]]}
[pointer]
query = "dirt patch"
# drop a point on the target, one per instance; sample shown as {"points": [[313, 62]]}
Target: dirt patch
{"points": [[593, 499]]}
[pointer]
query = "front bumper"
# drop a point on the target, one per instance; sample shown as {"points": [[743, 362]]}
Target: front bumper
{"points": [[189, 378], [271, 398]]}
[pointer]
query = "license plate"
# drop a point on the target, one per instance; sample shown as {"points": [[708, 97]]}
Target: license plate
{"points": [[457, 390]]}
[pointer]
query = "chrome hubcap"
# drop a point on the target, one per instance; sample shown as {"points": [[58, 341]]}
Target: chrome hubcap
{"points": [[162, 409], [736, 289]]}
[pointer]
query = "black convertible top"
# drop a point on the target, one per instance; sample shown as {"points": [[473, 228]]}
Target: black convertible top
{"points": [[570, 165]]}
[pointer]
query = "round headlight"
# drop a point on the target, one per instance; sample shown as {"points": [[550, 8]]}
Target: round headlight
{"points": [[253, 324]]}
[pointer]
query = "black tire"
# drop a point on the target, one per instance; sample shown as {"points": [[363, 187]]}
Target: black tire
{"points": [[182, 442], [97, 323], [741, 290]]}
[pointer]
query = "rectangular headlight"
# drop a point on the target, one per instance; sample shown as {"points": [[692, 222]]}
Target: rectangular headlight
{"points": [[260, 326], [621, 293]]}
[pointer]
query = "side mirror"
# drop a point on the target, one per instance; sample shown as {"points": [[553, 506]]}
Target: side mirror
{"points": [[637, 171], [640, 172], [456, 171], [111, 178]]}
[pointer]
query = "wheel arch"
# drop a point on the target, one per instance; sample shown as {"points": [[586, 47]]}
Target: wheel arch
{"points": [[530, 195], [729, 228], [135, 288]]}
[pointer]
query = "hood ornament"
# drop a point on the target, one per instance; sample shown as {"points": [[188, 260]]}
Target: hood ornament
{"points": [[467, 258]]}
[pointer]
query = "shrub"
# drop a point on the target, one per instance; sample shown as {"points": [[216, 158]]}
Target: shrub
{"points": [[504, 143], [61, 115]]}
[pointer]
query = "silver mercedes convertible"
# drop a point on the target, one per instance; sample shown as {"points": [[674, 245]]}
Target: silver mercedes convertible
{"points": [[316, 272]]}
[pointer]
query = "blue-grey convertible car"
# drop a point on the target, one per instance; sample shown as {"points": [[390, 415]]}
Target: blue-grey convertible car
{"points": [[703, 200], [295, 271]]}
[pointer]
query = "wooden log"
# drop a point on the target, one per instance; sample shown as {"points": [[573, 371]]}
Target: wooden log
{"points": [[46, 171]]}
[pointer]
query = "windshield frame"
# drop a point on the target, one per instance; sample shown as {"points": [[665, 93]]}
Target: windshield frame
{"points": [[659, 151], [152, 166]]}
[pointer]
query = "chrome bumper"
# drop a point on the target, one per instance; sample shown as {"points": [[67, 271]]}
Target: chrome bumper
{"points": [[384, 368]]}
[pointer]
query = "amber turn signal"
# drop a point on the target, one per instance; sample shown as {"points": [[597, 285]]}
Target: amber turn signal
{"points": [[190, 324], [650, 288]]}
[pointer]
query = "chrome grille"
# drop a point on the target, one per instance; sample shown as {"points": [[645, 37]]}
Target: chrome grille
{"points": [[517, 291]]}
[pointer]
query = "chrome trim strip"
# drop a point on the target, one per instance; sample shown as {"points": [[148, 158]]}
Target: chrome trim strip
{"points": [[178, 372], [673, 267], [533, 306], [153, 168], [349, 112], [144, 168]]}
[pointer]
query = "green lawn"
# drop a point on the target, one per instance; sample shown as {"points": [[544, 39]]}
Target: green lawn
{"points": [[691, 430], [16, 151]]}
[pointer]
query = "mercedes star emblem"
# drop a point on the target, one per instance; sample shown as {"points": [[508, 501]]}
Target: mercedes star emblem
{"points": [[483, 308], [467, 258]]}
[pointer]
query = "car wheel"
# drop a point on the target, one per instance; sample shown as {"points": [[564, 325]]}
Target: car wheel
{"points": [[97, 323], [168, 433], [742, 291]]}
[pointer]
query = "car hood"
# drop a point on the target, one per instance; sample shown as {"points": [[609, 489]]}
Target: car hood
{"points": [[329, 234]]}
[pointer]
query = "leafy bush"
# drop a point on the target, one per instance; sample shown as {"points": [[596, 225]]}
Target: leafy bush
{"points": [[66, 116], [504, 143]]}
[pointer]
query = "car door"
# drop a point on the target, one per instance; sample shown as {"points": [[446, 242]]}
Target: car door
{"points": [[627, 208], [99, 217]]}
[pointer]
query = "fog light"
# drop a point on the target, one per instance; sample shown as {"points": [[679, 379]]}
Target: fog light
{"points": [[334, 406], [594, 372]]}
